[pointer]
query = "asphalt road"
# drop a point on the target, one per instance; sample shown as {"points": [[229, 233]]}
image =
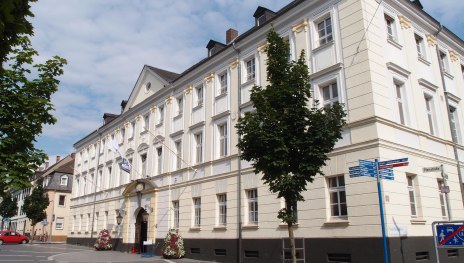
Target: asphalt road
{"points": [[64, 253]]}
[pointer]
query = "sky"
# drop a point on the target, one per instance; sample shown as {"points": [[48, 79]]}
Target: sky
{"points": [[107, 43]]}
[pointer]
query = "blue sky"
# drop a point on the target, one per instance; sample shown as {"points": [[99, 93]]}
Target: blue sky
{"points": [[107, 43]]}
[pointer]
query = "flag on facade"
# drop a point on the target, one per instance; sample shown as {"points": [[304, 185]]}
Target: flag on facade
{"points": [[113, 146], [125, 165]]}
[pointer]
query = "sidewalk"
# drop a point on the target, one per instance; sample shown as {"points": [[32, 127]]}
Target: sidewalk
{"points": [[91, 255]]}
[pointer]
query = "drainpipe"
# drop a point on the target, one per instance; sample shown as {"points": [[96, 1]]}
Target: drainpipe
{"points": [[95, 184], [239, 175], [455, 150]]}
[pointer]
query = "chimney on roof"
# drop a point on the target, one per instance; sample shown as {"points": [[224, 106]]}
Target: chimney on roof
{"points": [[417, 3], [231, 34], [123, 105], [58, 158]]}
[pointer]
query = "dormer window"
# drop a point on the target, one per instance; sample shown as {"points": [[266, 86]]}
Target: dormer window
{"points": [[262, 19], [64, 180]]}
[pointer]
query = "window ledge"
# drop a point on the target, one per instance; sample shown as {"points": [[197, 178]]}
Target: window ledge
{"points": [[79, 232], [194, 229], [222, 95], [250, 227], [323, 46], [423, 60], [144, 131], [418, 221], [447, 74], [72, 233], [159, 124], [86, 232], [219, 228], [178, 116], [197, 107], [248, 82], [395, 43], [337, 222]]}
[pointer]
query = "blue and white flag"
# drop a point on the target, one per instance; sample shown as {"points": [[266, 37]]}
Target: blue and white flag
{"points": [[125, 165]]}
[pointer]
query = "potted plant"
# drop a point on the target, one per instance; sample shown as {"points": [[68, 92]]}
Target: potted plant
{"points": [[103, 241], [173, 245]]}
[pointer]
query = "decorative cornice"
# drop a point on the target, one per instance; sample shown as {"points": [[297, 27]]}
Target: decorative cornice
{"points": [[303, 25], [139, 117], [404, 22], [126, 124], [453, 55], [168, 100], [209, 77], [188, 89], [262, 47], [233, 64], [118, 130], [398, 69], [432, 40], [427, 84]]}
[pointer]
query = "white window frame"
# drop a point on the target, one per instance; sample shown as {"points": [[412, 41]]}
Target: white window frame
{"points": [[109, 177], [132, 130], [390, 27], [250, 69], [323, 26], [196, 211], [198, 144], [146, 123], [159, 160], [59, 224], [160, 111], [330, 86], [222, 209], [180, 106], [176, 213], [223, 139], [411, 184], [401, 101], [455, 124], [431, 113], [442, 198], [64, 180], [420, 46], [337, 193], [199, 95], [223, 83], [144, 164], [443, 60], [122, 134], [253, 211], [178, 157]]}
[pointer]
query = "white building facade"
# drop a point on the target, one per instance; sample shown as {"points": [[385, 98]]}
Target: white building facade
{"points": [[401, 78]]}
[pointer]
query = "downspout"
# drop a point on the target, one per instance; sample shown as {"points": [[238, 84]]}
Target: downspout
{"points": [[239, 175], [455, 150], [95, 185]]}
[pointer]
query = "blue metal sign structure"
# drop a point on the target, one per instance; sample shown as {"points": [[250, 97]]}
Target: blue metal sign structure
{"points": [[449, 235]]}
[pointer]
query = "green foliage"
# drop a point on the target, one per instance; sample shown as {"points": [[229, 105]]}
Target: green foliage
{"points": [[35, 204], [25, 91], [13, 24], [286, 139], [8, 206]]}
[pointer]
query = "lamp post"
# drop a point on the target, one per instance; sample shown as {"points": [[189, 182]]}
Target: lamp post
{"points": [[119, 218], [145, 217]]}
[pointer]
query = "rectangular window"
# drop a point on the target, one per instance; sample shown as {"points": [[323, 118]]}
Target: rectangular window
{"points": [[105, 221], [132, 130], [99, 179], [198, 147], [222, 128], [199, 95], [109, 178], [252, 196], [412, 196], [329, 94], [64, 180], [88, 223], [143, 160], [441, 198], [197, 208], [391, 29], [175, 209], [123, 133], [455, 128], [178, 146], [160, 114], [80, 222], [59, 224], [324, 29], [222, 209], [159, 163], [73, 227], [146, 123], [61, 201], [420, 46], [102, 147], [399, 92], [337, 196], [430, 113], [180, 106], [250, 70], [443, 59], [223, 84]]}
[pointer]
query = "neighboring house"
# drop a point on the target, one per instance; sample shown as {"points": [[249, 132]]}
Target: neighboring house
{"points": [[400, 77]]}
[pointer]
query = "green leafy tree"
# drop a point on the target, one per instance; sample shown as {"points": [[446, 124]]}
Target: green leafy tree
{"points": [[13, 24], [8, 207], [35, 204], [285, 138], [25, 91]]}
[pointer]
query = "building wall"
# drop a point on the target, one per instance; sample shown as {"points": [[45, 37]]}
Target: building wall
{"points": [[365, 64]]}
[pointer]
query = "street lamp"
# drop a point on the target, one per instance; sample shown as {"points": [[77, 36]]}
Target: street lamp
{"points": [[119, 218], [145, 216]]}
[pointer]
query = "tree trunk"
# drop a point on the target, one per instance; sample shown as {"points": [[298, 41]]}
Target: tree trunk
{"points": [[33, 234], [292, 241]]}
